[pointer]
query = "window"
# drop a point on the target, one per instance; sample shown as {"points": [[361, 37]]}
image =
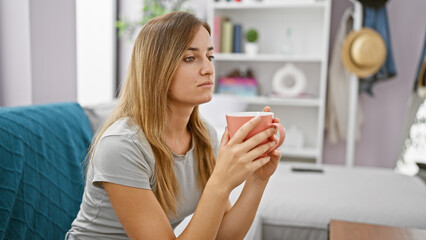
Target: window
{"points": [[96, 51]]}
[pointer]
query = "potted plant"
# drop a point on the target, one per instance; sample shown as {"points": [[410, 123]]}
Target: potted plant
{"points": [[251, 46]]}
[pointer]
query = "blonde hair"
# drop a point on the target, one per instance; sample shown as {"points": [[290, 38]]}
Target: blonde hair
{"points": [[158, 50]]}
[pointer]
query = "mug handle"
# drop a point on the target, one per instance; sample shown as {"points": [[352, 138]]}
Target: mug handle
{"points": [[282, 136]]}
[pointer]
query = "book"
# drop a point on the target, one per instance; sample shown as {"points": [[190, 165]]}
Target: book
{"points": [[217, 30], [227, 35], [236, 47], [241, 86]]}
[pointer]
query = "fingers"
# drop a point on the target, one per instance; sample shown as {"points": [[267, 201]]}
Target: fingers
{"points": [[258, 138], [244, 130], [267, 109], [258, 151], [258, 163], [276, 155], [275, 138], [225, 138]]}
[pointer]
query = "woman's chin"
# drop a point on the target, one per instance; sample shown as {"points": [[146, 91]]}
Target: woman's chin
{"points": [[207, 99]]}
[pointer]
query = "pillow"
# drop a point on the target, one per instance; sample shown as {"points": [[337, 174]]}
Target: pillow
{"points": [[98, 114]]}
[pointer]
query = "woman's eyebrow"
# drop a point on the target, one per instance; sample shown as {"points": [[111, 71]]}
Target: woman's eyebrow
{"points": [[197, 49]]}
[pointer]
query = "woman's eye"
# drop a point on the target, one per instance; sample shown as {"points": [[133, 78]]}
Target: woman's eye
{"points": [[211, 58], [189, 59]]}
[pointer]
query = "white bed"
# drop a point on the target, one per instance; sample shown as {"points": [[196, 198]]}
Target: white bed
{"points": [[300, 205]]}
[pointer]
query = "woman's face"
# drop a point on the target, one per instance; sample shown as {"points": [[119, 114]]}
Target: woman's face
{"points": [[193, 81]]}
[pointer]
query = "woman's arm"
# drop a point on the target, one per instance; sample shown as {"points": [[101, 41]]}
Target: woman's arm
{"points": [[238, 219], [142, 217]]}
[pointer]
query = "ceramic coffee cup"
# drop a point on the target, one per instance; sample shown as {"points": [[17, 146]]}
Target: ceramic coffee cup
{"points": [[238, 119]]}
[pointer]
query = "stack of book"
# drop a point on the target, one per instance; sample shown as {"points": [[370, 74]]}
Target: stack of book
{"points": [[227, 36], [227, 0], [242, 86]]}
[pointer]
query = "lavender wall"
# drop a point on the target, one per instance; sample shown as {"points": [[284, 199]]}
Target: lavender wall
{"points": [[384, 113], [53, 50], [38, 52]]}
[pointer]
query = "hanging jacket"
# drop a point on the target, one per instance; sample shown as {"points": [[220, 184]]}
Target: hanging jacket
{"points": [[377, 19]]}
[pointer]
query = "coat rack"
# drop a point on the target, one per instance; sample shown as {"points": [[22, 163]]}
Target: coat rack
{"points": [[353, 93]]}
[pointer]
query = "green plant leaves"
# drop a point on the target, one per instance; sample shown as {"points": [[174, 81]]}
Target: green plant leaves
{"points": [[151, 9]]}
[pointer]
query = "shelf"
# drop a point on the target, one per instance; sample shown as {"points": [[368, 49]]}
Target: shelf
{"points": [[266, 58], [309, 21], [268, 5], [299, 152], [265, 100]]}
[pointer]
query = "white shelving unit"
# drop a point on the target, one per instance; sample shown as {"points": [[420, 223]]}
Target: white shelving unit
{"points": [[268, 4], [309, 22], [266, 58]]}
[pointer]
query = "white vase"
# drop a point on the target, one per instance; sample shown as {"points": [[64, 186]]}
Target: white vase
{"points": [[251, 49]]}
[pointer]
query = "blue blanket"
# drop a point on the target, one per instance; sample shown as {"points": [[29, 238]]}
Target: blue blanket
{"points": [[42, 148]]}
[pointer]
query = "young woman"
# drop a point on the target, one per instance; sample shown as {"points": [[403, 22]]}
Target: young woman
{"points": [[156, 161]]}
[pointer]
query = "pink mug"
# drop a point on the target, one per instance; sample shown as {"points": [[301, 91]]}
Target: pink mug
{"points": [[238, 119]]}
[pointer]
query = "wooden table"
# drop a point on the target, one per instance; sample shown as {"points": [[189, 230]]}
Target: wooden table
{"points": [[344, 230]]}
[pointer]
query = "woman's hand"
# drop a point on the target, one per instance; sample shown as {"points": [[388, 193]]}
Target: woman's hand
{"points": [[266, 171], [238, 159]]}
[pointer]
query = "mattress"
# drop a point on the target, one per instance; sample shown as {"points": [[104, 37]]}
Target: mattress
{"points": [[300, 205]]}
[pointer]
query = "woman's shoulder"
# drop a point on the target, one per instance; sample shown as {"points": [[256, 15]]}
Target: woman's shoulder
{"points": [[123, 127], [126, 130]]}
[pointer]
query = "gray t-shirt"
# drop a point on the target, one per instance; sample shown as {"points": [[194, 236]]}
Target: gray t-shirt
{"points": [[124, 156]]}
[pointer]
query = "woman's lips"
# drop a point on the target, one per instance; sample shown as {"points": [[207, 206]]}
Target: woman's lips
{"points": [[208, 84]]}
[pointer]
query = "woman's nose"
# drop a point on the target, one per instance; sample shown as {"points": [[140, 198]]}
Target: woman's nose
{"points": [[207, 68]]}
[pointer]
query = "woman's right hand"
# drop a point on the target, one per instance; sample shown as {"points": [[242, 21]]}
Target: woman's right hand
{"points": [[238, 159]]}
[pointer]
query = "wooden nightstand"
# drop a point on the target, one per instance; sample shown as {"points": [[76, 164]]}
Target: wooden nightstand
{"points": [[344, 230]]}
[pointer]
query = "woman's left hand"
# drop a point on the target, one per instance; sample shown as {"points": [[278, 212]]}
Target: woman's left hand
{"points": [[265, 172]]}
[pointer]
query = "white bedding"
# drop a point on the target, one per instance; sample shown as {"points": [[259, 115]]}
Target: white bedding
{"points": [[300, 205]]}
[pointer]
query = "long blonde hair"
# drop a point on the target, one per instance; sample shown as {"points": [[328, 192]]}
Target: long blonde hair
{"points": [[158, 50]]}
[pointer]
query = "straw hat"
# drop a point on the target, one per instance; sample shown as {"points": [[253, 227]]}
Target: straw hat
{"points": [[363, 52]]}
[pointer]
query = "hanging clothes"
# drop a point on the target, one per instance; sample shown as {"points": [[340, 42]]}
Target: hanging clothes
{"points": [[373, 3], [377, 19], [338, 88], [420, 80]]}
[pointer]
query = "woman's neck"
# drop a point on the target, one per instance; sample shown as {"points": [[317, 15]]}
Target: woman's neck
{"points": [[178, 137]]}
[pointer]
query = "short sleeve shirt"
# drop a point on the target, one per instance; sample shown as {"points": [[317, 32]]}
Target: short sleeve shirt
{"points": [[124, 156]]}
